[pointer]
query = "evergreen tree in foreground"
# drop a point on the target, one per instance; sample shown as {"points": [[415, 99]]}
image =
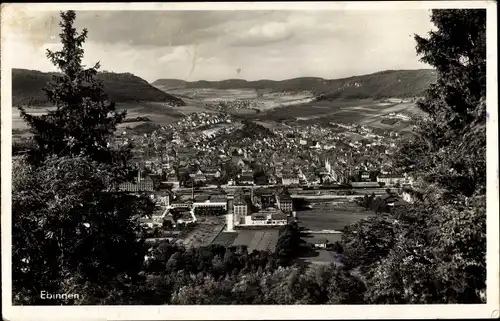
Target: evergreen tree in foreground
{"points": [[450, 148], [439, 254], [70, 234], [84, 119]]}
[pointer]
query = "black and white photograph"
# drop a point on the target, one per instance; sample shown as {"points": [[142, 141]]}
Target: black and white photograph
{"points": [[270, 156]]}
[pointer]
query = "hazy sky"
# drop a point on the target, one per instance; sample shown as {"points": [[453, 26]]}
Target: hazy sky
{"points": [[215, 45]]}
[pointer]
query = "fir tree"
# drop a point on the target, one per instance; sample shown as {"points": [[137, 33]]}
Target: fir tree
{"points": [[83, 119], [450, 148], [70, 234], [439, 254]]}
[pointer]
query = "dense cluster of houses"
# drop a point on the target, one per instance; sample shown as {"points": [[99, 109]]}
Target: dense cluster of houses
{"points": [[268, 207], [293, 156]]}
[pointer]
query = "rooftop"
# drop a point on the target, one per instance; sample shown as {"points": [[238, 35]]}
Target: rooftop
{"points": [[279, 216], [201, 198]]}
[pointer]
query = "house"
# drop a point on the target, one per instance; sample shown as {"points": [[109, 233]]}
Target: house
{"points": [[172, 179], [146, 185], [393, 200], [246, 179], [390, 179], [289, 180], [302, 180], [256, 219], [212, 173], [267, 199], [241, 207], [199, 178], [209, 205], [278, 218], [180, 204], [284, 202], [407, 196], [320, 243], [410, 194], [164, 199], [324, 241], [268, 216]]}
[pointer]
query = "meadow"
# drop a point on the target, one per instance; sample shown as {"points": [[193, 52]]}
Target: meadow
{"points": [[225, 238], [205, 232], [158, 113], [331, 216], [263, 101], [269, 108], [260, 240]]}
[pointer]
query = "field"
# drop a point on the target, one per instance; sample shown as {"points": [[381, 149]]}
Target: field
{"points": [[225, 238], [274, 107], [208, 95], [330, 237], [322, 257], [204, 233], [158, 113], [389, 121], [260, 240], [263, 101], [363, 112], [313, 110], [331, 216]]}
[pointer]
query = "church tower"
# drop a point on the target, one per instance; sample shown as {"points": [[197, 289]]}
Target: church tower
{"points": [[328, 167]]}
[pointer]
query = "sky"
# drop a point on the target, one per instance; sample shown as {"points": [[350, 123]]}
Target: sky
{"points": [[217, 45]]}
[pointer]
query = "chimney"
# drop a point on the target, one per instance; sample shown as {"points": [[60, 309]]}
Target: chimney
{"points": [[230, 222], [230, 204], [230, 214]]}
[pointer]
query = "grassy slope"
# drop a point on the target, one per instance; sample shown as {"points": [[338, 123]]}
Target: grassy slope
{"points": [[121, 87]]}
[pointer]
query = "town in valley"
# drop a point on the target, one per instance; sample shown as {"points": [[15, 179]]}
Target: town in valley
{"points": [[218, 157]]}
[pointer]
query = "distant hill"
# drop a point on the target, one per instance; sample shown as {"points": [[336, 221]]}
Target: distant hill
{"points": [[121, 87], [390, 83]]}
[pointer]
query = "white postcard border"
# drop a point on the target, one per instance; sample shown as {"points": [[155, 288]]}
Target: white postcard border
{"points": [[488, 310]]}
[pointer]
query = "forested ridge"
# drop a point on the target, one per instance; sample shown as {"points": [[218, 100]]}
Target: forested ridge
{"points": [[27, 88], [388, 83]]}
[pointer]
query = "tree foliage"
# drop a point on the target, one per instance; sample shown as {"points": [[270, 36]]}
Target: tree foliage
{"points": [[440, 251], [71, 233], [367, 241], [289, 243], [450, 147], [65, 227], [84, 118], [283, 286]]}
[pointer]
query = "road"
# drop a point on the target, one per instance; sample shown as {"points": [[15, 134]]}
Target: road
{"points": [[234, 187], [325, 197], [309, 194]]}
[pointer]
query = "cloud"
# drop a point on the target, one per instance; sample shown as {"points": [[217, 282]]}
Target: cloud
{"points": [[213, 45], [148, 28], [257, 35]]}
